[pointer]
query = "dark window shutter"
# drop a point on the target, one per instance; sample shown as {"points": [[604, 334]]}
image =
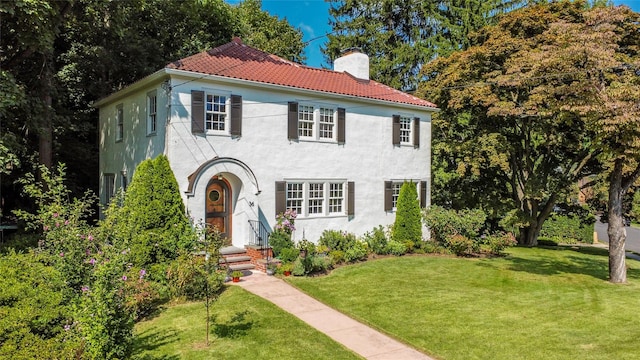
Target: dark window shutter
{"points": [[423, 194], [416, 132], [197, 112], [281, 197], [396, 129], [292, 124], [236, 115], [351, 199], [341, 118], [388, 196]]}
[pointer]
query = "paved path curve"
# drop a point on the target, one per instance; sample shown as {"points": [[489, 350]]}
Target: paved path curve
{"points": [[361, 339]]}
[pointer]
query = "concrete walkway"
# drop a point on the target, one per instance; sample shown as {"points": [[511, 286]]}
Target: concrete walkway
{"points": [[361, 339]]}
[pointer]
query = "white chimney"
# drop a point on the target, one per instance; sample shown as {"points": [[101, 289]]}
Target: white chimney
{"points": [[354, 62]]}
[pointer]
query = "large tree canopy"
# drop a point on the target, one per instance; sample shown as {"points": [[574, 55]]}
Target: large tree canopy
{"points": [[505, 139], [549, 95], [401, 35], [59, 56]]}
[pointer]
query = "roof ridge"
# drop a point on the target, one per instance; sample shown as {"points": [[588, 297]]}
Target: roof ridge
{"points": [[229, 60]]}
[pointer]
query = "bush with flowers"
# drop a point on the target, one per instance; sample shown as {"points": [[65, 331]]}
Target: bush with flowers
{"points": [[280, 238]]}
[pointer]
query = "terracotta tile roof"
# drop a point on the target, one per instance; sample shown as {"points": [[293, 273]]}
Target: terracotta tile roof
{"points": [[239, 61]]}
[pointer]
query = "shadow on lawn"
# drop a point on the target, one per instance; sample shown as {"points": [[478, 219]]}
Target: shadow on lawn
{"points": [[236, 327], [151, 340], [595, 266]]}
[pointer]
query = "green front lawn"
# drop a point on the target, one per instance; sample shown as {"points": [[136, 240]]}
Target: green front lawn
{"points": [[532, 304], [244, 327]]}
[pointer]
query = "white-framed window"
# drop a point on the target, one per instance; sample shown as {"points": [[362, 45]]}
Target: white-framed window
{"points": [[215, 107], [405, 130], [336, 198], [305, 121], [316, 122], [152, 112], [327, 123], [109, 185], [314, 198], [119, 123], [295, 196], [395, 193]]}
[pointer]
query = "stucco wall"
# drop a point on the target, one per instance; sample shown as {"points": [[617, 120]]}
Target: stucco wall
{"points": [[367, 158]]}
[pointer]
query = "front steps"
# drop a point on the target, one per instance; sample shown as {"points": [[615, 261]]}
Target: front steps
{"points": [[249, 258]]}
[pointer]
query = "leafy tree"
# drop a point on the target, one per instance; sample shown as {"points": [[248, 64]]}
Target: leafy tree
{"points": [[401, 36], [601, 61], [60, 56], [407, 227], [506, 131], [268, 33]]}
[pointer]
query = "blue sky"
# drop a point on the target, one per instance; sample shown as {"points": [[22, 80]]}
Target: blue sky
{"points": [[312, 17]]}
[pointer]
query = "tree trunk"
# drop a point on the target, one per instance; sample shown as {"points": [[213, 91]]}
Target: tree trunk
{"points": [[528, 236], [615, 230], [45, 132]]}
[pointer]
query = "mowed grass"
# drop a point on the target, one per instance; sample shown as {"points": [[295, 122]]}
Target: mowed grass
{"points": [[244, 326], [532, 304]]}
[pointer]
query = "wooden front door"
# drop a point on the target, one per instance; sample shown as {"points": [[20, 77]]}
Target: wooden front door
{"points": [[218, 206]]}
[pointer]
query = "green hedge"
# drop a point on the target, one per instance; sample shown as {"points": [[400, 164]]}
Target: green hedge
{"points": [[570, 228]]}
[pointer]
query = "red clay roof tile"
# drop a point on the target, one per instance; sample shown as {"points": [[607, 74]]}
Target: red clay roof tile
{"points": [[239, 61]]}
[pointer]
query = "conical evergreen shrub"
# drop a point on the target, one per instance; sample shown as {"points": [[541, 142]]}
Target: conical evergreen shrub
{"points": [[407, 227]]}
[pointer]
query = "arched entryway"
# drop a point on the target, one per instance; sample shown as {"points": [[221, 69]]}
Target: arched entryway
{"points": [[218, 205]]}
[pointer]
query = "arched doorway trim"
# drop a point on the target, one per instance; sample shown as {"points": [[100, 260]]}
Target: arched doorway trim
{"points": [[195, 176]]}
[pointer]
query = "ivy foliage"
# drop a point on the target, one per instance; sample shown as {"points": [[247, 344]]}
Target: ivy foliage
{"points": [[408, 224]]}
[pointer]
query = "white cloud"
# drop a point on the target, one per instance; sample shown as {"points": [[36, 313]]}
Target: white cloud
{"points": [[307, 29]]}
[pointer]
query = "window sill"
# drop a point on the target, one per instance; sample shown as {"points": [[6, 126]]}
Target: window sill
{"points": [[322, 141], [152, 134], [321, 216]]}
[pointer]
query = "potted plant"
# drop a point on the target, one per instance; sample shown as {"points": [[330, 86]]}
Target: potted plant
{"points": [[286, 268], [236, 275], [271, 268]]}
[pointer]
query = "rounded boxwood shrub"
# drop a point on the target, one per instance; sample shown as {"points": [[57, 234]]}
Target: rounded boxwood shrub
{"points": [[396, 248]]}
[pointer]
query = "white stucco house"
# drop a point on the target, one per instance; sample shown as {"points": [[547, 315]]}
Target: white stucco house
{"points": [[249, 134]]}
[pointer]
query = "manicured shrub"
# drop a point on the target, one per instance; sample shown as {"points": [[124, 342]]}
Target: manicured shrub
{"points": [[289, 254], [496, 243], [337, 256], [569, 225], [279, 240], [445, 223], [356, 252], [299, 268], [396, 248], [461, 245], [152, 220], [376, 240], [337, 240], [408, 224]]}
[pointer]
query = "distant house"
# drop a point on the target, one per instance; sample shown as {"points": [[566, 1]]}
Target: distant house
{"points": [[249, 134]]}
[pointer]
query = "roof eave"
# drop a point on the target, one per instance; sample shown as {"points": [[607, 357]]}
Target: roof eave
{"points": [[203, 76], [144, 82]]}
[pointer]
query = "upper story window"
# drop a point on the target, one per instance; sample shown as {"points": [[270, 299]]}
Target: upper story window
{"points": [[305, 121], [406, 130], [316, 122], [215, 112], [152, 113], [119, 122]]}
